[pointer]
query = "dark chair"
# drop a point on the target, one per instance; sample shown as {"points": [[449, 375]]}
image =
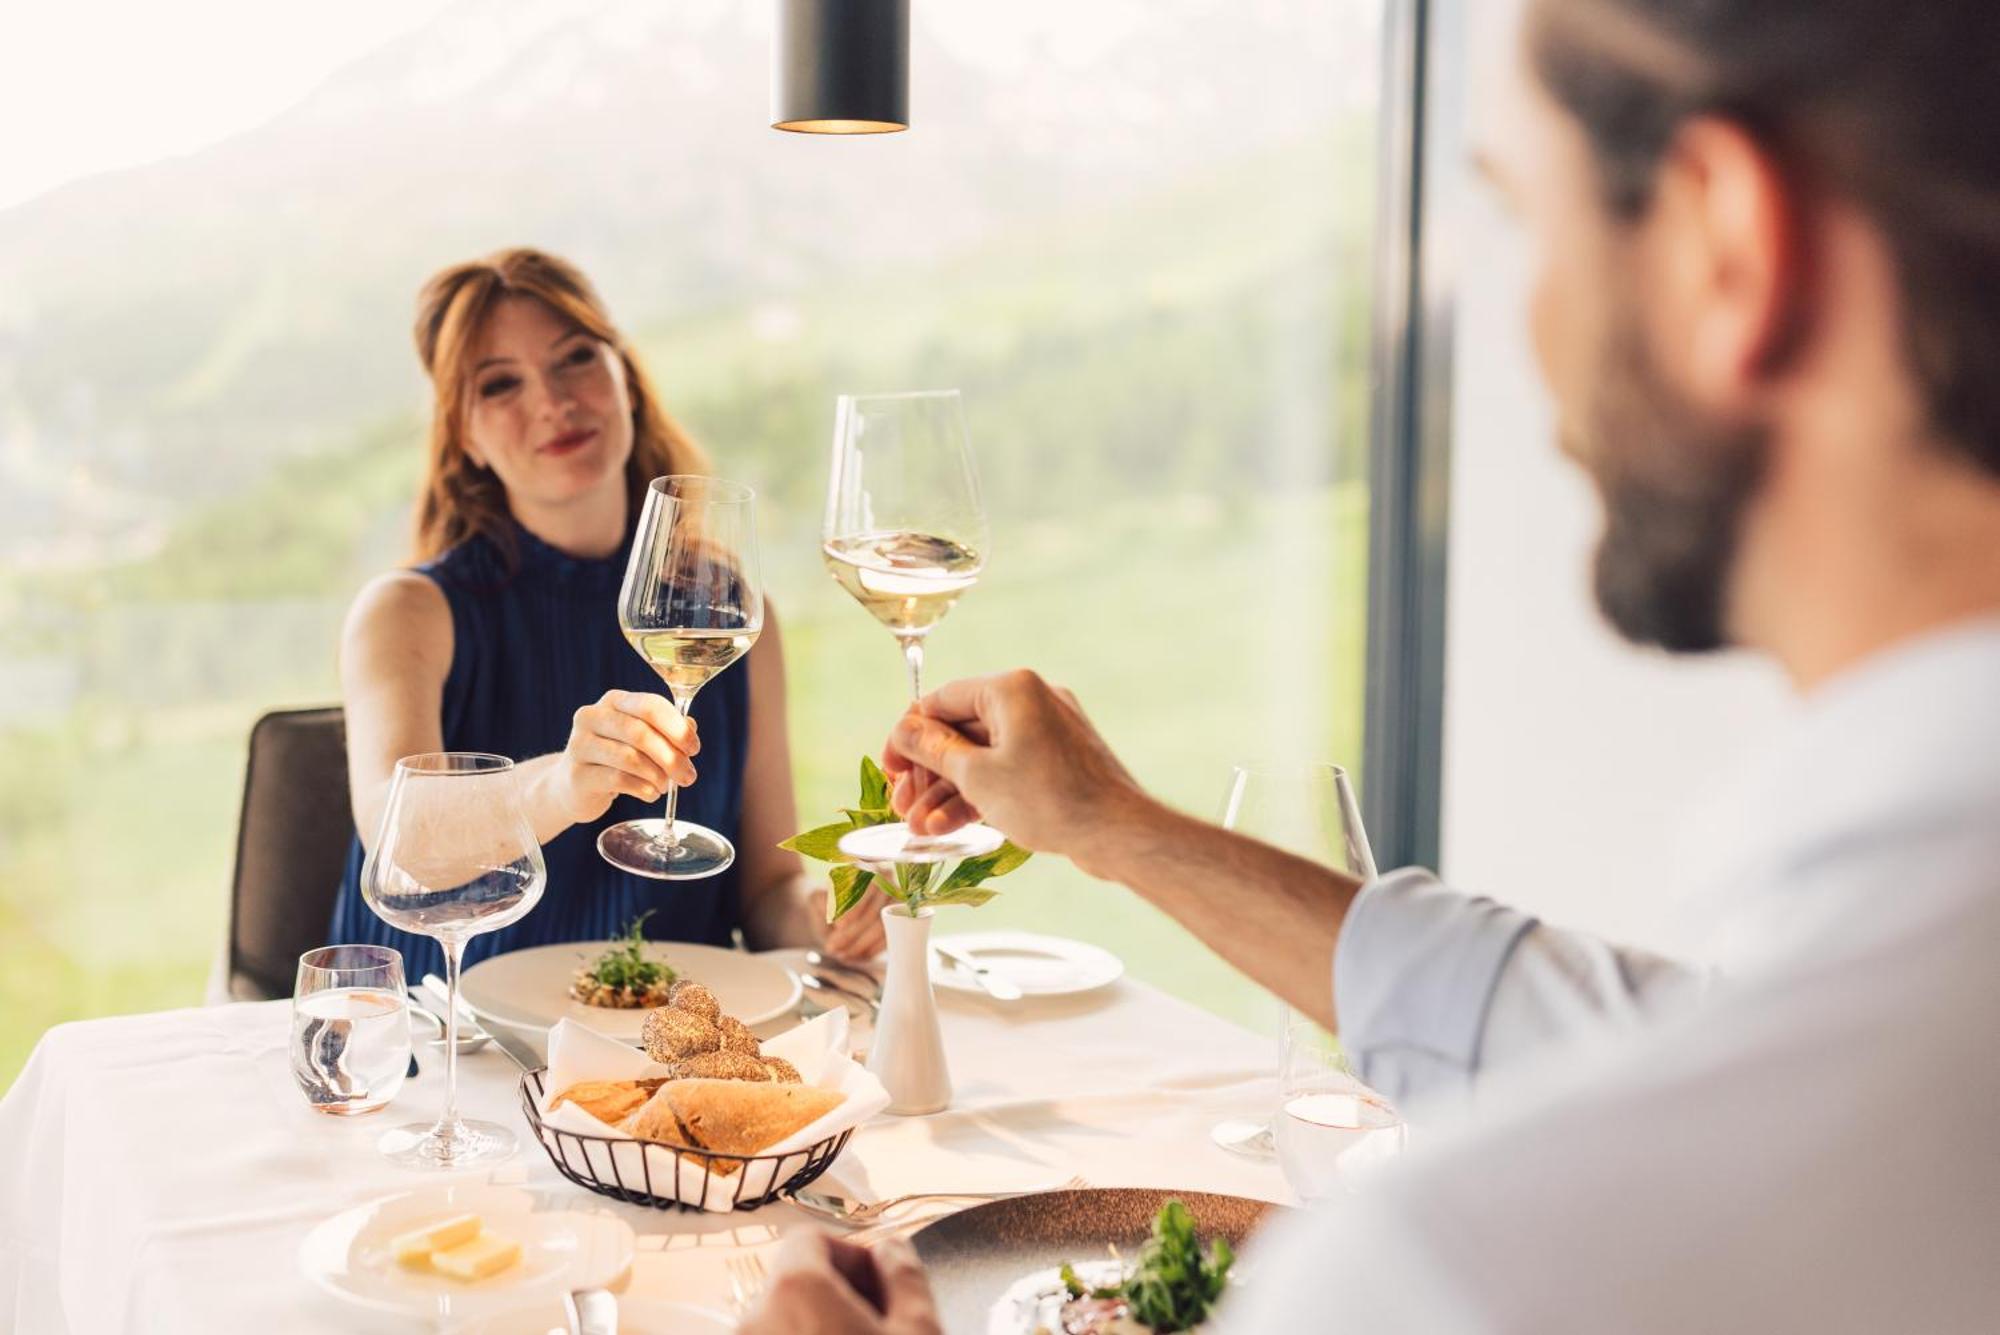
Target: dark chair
{"points": [[291, 847]]}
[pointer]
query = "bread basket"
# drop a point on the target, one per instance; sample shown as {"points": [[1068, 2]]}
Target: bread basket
{"points": [[652, 1172]]}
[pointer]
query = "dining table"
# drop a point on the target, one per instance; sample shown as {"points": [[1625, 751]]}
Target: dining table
{"points": [[159, 1172]]}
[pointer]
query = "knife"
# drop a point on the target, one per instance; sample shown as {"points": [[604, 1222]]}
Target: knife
{"points": [[1000, 989]]}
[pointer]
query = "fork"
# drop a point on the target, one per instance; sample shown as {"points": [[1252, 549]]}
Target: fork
{"points": [[868, 1212], [747, 1281]]}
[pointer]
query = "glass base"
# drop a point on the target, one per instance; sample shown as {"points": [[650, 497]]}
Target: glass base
{"points": [[466, 1145], [635, 846], [887, 845], [1241, 1135]]}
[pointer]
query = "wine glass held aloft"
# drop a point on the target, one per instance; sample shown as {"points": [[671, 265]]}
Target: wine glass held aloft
{"points": [[905, 532], [455, 857], [692, 604]]}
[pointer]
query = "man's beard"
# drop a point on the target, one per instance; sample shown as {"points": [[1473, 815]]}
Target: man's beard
{"points": [[1675, 486]]}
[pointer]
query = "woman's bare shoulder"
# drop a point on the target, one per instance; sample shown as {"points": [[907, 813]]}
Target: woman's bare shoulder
{"points": [[400, 607]]}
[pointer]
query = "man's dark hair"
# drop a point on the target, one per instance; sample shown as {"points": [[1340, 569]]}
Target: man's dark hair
{"points": [[1893, 104]]}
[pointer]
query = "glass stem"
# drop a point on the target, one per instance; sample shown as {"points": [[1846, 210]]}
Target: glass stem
{"points": [[913, 654], [454, 950], [668, 839]]}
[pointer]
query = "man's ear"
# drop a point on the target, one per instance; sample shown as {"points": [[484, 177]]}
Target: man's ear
{"points": [[1730, 262]]}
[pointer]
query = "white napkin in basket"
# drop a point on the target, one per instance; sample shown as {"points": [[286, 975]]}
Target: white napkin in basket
{"points": [[818, 1048]]}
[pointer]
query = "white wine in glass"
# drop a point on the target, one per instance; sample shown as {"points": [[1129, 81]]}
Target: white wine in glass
{"points": [[905, 532], [905, 535], [455, 857], [692, 604]]}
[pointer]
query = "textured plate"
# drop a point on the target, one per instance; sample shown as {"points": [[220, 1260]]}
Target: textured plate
{"points": [[1041, 966], [977, 1255], [529, 989]]}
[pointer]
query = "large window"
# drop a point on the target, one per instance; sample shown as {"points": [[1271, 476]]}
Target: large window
{"points": [[1136, 235]]}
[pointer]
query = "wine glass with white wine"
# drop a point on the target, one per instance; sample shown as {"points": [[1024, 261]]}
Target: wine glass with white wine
{"points": [[905, 535], [691, 605]]}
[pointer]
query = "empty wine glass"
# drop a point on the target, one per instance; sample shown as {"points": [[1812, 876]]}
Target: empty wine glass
{"points": [[455, 857], [692, 604], [1309, 810]]}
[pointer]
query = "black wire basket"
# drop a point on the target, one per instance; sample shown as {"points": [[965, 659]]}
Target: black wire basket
{"points": [[638, 1172]]}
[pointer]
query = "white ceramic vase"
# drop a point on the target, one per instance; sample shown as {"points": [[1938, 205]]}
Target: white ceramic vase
{"points": [[908, 1053]]}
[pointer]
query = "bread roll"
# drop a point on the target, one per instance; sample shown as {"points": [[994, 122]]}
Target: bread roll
{"points": [[782, 1071], [694, 998], [671, 1035], [723, 1065], [610, 1101], [729, 1116], [736, 1036]]}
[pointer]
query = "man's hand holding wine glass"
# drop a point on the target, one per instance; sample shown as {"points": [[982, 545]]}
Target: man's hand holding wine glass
{"points": [[1018, 753]]}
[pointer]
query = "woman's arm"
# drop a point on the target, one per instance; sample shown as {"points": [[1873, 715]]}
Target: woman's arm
{"points": [[782, 904], [395, 653]]}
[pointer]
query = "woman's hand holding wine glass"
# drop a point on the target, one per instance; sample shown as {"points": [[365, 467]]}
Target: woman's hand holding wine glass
{"points": [[630, 743]]}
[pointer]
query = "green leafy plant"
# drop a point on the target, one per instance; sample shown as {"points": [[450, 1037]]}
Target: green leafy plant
{"points": [[625, 966], [1174, 1285], [916, 886]]}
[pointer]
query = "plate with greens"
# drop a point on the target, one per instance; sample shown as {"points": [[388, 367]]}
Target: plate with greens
{"points": [[1090, 1262], [610, 986]]}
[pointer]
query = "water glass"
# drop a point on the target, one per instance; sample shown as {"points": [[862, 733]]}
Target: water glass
{"points": [[350, 1028], [1331, 1130]]}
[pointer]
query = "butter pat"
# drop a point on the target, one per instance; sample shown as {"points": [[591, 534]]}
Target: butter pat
{"points": [[415, 1247], [487, 1254]]}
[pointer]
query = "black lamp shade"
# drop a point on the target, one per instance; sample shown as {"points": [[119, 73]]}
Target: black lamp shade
{"points": [[841, 66]]}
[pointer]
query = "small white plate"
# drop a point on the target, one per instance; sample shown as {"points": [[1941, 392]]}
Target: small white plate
{"points": [[636, 1316], [1041, 966], [349, 1255], [529, 989]]}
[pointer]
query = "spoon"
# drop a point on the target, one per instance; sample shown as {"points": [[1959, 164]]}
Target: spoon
{"points": [[472, 1042]]}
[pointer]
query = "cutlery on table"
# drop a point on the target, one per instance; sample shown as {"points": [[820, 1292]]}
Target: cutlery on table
{"points": [[517, 1049], [843, 1210], [819, 961], [997, 987], [815, 983], [591, 1312], [470, 1039], [747, 1281]]}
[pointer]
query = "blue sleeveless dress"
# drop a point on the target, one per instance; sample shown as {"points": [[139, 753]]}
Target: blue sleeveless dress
{"points": [[528, 650]]}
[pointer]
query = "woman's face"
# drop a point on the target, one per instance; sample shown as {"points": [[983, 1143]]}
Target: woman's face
{"points": [[550, 412]]}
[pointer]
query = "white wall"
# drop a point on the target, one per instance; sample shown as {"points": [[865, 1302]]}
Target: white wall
{"points": [[1571, 761]]}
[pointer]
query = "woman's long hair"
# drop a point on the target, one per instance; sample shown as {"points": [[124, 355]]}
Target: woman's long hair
{"points": [[459, 499]]}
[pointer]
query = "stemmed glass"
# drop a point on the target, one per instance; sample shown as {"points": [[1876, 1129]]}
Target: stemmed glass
{"points": [[1331, 1130], [905, 535], [691, 605], [455, 857], [1309, 810]]}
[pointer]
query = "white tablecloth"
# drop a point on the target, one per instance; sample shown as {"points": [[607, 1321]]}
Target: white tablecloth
{"points": [[157, 1172]]}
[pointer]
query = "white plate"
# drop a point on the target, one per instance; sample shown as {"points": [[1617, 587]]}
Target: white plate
{"points": [[1041, 966], [349, 1254], [529, 989], [636, 1316]]}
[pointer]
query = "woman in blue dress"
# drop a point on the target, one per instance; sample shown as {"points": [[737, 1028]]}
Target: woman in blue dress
{"points": [[503, 636]]}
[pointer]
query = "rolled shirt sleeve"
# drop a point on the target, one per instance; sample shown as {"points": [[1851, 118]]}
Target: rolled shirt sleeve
{"points": [[1434, 987]]}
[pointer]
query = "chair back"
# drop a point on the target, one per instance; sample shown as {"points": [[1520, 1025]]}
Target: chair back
{"points": [[291, 847]]}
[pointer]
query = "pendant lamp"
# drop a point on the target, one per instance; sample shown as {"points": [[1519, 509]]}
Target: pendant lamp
{"points": [[841, 67]]}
